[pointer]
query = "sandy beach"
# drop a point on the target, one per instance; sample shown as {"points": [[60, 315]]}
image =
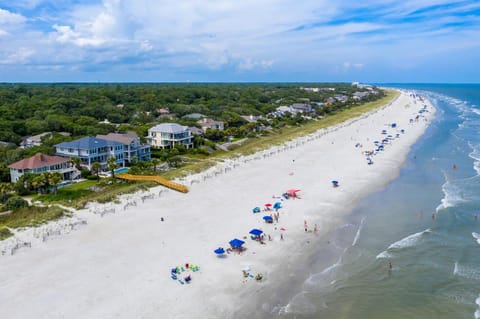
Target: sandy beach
{"points": [[115, 260]]}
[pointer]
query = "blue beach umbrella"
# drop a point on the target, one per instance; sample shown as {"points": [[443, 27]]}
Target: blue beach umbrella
{"points": [[219, 251], [268, 219], [256, 210], [236, 243], [277, 205], [256, 232]]}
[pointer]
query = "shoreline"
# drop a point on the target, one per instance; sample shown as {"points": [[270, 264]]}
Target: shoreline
{"points": [[126, 257]]}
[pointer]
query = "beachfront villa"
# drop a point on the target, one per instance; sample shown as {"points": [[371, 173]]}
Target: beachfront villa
{"points": [[41, 163], [133, 148], [208, 123], [167, 135], [91, 150]]}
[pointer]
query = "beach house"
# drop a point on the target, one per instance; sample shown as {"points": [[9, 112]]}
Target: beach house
{"points": [[132, 147], [90, 150], [208, 123], [41, 163], [167, 135], [35, 140]]}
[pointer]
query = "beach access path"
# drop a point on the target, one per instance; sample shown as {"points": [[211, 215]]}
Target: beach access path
{"points": [[119, 264]]}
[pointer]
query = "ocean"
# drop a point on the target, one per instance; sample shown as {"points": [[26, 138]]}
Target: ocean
{"points": [[413, 249]]}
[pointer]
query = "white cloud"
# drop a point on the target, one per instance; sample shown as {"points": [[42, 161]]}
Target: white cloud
{"points": [[20, 56], [250, 64], [349, 65], [9, 18], [248, 35]]}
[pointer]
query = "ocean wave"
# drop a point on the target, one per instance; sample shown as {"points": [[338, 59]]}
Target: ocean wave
{"points": [[466, 271], [357, 235], [409, 241], [476, 236], [452, 196], [299, 305], [384, 254], [475, 110], [475, 155]]}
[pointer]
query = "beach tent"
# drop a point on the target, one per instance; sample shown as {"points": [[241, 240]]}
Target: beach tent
{"points": [[292, 192], [256, 210], [236, 243], [268, 219], [256, 232], [219, 251]]}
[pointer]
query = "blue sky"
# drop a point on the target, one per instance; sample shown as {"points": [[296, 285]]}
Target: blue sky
{"points": [[231, 40]]}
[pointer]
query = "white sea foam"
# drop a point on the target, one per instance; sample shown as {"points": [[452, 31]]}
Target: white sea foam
{"points": [[384, 254], [477, 301], [408, 241], [474, 110], [476, 235], [475, 154], [357, 235], [452, 196], [466, 271], [299, 305]]}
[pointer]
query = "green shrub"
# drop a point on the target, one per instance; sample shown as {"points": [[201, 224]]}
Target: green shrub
{"points": [[92, 177], [5, 233], [15, 202]]}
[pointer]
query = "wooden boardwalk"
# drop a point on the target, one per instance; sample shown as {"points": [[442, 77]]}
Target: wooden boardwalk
{"points": [[157, 179]]}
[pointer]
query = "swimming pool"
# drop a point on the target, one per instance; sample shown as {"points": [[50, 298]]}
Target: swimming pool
{"points": [[121, 170]]}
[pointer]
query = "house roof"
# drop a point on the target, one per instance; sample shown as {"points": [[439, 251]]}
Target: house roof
{"points": [[88, 143], [196, 130], [38, 138], [37, 161], [194, 116], [208, 121], [172, 128], [124, 138]]}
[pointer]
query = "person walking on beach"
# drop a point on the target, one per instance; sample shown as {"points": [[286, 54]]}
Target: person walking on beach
{"points": [[305, 225]]}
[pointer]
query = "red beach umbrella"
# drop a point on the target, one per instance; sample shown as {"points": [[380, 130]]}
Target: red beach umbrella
{"points": [[268, 205]]}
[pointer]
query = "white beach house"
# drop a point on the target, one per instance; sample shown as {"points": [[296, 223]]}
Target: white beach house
{"points": [[167, 135]]}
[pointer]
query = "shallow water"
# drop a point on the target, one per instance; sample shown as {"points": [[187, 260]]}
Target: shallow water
{"points": [[424, 223]]}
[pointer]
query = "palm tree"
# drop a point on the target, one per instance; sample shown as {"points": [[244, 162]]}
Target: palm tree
{"points": [[112, 164], [38, 182], [96, 167], [5, 188], [54, 179], [76, 161], [155, 162]]}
